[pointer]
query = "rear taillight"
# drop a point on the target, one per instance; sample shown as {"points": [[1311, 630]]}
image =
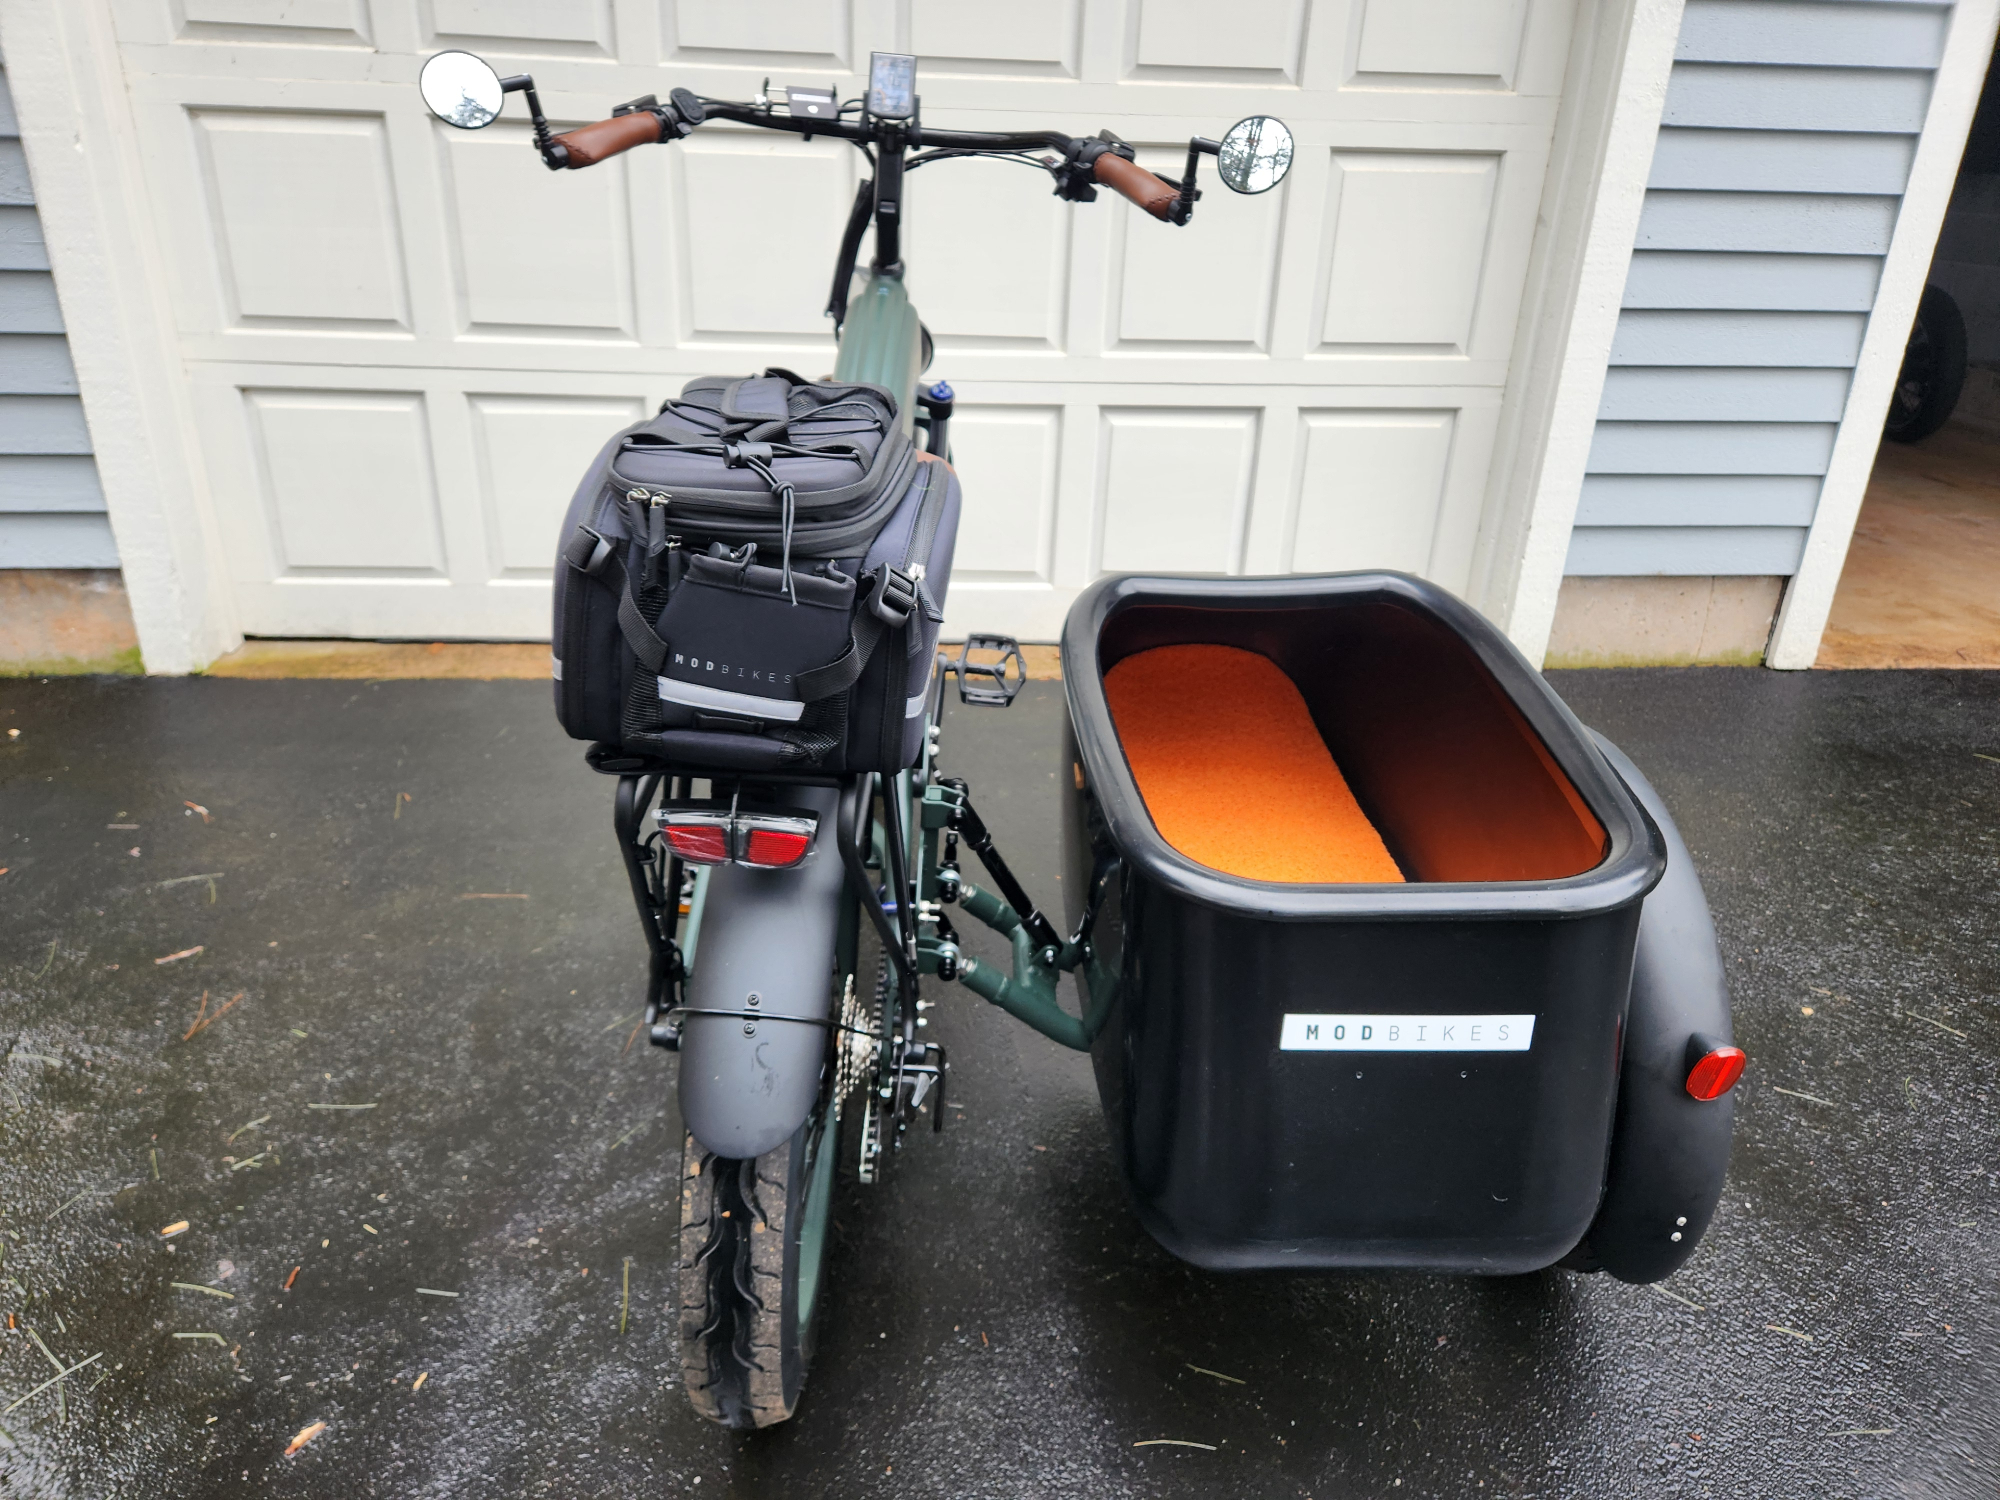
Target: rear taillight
{"points": [[1713, 1067], [717, 835], [775, 843], [696, 839]]}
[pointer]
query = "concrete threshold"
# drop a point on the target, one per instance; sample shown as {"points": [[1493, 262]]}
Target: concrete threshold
{"points": [[384, 660], [486, 661]]}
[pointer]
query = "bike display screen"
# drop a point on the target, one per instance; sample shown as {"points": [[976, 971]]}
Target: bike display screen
{"points": [[892, 85]]}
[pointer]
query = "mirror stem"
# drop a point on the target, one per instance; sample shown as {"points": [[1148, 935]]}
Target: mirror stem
{"points": [[554, 157], [1183, 208]]}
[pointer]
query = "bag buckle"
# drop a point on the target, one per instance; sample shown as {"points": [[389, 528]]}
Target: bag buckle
{"points": [[600, 554], [893, 598]]}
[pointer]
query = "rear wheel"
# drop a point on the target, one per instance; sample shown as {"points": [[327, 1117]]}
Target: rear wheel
{"points": [[753, 1245]]}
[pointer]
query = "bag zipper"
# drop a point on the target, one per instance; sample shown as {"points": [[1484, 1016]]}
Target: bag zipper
{"points": [[812, 539], [923, 531], [893, 460]]}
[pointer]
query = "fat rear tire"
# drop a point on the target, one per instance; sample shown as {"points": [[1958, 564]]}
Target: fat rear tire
{"points": [[746, 1339]]}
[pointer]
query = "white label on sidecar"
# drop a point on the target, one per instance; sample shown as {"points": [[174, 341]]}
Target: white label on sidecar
{"points": [[1406, 1033]]}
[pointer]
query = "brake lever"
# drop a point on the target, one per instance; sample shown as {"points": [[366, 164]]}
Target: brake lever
{"points": [[1074, 175], [678, 116]]}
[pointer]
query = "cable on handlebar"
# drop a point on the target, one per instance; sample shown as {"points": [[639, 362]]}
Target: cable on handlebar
{"points": [[850, 249]]}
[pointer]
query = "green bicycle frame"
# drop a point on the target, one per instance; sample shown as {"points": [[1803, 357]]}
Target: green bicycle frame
{"points": [[882, 342]]}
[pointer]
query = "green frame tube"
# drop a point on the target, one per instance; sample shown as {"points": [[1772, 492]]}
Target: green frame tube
{"points": [[882, 342], [1029, 993]]}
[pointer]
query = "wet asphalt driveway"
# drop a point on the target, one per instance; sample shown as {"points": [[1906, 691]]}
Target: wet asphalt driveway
{"points": [[417, 951]]}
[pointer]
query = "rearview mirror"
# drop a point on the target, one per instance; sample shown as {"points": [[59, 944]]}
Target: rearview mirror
{"points": [[461, 90], [1255, 156]]}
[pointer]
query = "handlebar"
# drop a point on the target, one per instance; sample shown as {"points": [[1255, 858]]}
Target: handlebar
{"points": [[1133, 181], [1104, 160], [587, 145]]}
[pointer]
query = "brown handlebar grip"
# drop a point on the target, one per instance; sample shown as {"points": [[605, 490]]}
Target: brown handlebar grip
{"points": [[590, 144], [1136, 183]]}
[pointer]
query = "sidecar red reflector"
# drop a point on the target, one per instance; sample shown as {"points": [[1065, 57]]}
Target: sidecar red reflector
{"points": [[700, 843], [776, 848], [1715, 1072]]}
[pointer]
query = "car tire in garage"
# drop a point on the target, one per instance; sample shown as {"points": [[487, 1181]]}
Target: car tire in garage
{"points": [[1933, 373]]}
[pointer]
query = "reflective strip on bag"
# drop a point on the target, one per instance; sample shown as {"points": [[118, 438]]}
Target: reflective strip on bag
{"points": [[694, 695]]}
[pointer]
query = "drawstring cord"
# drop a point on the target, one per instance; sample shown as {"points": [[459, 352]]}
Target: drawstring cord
{"points": [[789, 506], [730, 444], [787, 510]]}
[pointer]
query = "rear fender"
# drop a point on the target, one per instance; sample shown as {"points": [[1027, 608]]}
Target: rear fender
{"points": [[766, 945]]}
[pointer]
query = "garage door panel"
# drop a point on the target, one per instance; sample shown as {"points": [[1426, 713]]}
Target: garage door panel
{"points": [[546, 28], [1006, 532], [1003, 286], [802, 33], [1256, 41], [1370, 486], [541, 253], [1025, 38], [337, 23], [532, 451], [1188, 289], [303, 221], [407, 342], [1405, 250], [758, 221], [346, 481], [1453, 43], [1176, 489]]}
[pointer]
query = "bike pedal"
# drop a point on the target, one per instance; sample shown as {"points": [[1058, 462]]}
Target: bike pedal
{"points": [[988, 684]]}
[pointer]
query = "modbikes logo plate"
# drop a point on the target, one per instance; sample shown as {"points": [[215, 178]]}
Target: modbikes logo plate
{"points": [[1361, 1033]]}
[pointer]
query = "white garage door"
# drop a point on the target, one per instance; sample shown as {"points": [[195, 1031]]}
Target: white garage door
{"points": [[405, 341]]}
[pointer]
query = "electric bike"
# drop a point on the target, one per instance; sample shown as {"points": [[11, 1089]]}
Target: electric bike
{"points": [[753, 911], [1507, 1049]]}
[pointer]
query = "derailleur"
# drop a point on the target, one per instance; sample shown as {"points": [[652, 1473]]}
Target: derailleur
{"points": [[912, 1078]]}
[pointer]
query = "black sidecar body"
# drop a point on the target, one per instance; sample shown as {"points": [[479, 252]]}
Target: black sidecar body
{"points": [[1482, 1069]]}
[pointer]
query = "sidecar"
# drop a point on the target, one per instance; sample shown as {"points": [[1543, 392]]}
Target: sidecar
{"points": [[1506, 1049]]}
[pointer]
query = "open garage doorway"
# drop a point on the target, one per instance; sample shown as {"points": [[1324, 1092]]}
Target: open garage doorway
{"points": [[1921, 586]]}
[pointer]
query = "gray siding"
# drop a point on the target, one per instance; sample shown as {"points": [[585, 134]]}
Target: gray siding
{"points": [[51, 505], [1784, 148]]}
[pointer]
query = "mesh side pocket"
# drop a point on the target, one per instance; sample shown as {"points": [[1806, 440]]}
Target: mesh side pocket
{"points": [[642, 711], [814, 740]]}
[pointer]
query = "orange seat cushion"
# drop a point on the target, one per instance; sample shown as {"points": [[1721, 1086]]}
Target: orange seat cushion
{"points": [[1234, 772]]}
